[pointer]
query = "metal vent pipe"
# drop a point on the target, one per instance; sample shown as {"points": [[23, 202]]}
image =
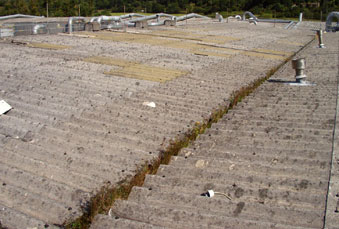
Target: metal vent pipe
{"points": [[291, 24], [331, 16], [238, 17], [108, 18], [299, 65], [188, 16], [250, 15], [221, 18], [146, 18], [121, 17], [254, 18], [251, 20], [151, 17], [217, 15], [37, 27], [93, 19], [320, 38], [70, 22], [131, 15], [132, 22], [300, 17]]}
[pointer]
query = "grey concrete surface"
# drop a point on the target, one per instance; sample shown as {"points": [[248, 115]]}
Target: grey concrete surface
{"points": [[74, 128], [271, 155]]}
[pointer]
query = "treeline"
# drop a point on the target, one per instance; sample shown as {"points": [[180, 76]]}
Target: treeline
{"points": [[281, 8], [278, 8], [54, 8]]}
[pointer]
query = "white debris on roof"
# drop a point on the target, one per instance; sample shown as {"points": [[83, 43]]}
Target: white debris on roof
{"points": [[4, 107], [149, 104]]}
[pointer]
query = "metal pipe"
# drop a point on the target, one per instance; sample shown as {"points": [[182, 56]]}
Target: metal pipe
{"points": [[221, 18], [70, 22], [151, 17], [299, 65], [131, 15], [156, 23], [121, 17], [94, 19], [329, 19], [192, 15], [113, 26], [118, 25], [251, 20], [300, 17], [145, 18], [132, 22], [320, 38], [116, 19], [289, 25], [19, 16], [37, 27], [254, 18], [249, 14], [165, 15], [108, 18], [299, 22], [273, 20]]}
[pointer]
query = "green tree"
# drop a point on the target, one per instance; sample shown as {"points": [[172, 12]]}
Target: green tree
{"points": [[34, 7], [173, 8], [16, 7]]}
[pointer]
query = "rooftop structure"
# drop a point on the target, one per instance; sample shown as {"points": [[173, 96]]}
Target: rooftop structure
{"points": [[90, 110]]}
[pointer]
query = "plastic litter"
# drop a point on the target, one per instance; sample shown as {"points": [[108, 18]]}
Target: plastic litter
{"points": [[4, 107], [149, 104], [211, 193]]}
